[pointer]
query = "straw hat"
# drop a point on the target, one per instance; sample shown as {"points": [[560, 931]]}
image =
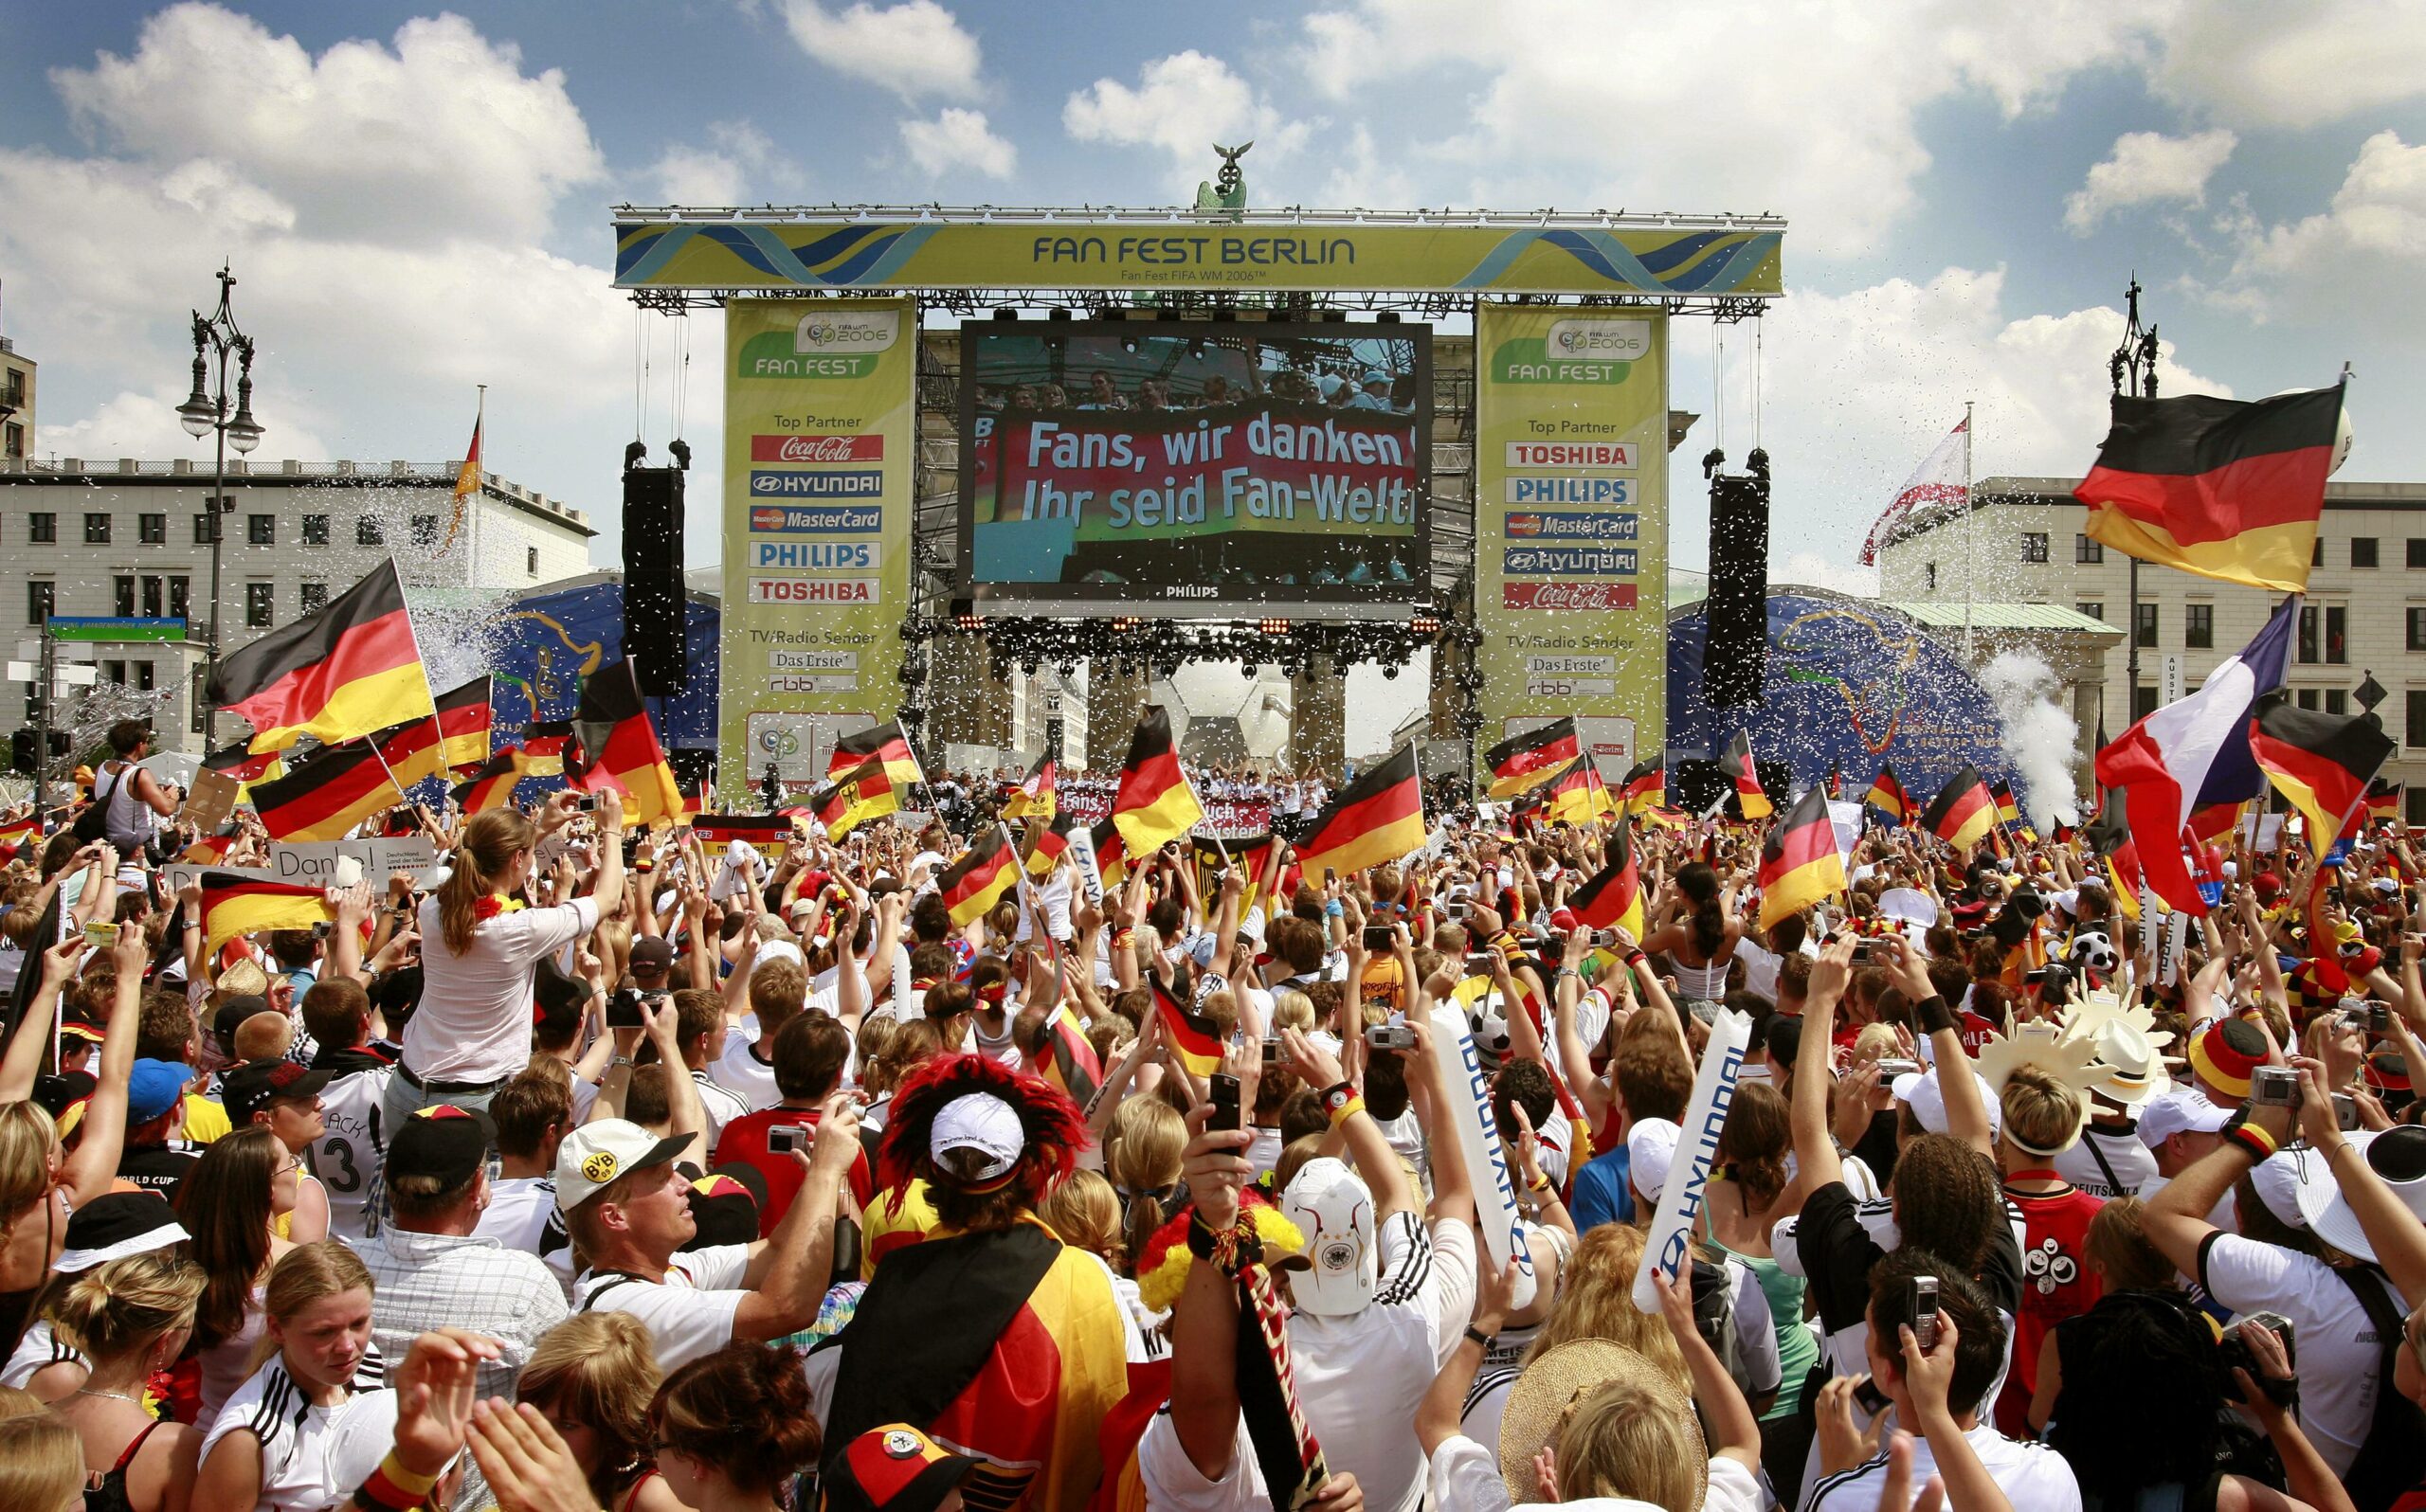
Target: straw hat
{"points": [[1566, 1376]]}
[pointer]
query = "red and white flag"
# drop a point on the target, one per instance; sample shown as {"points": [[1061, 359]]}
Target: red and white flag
{"points": [[1944, 478]]}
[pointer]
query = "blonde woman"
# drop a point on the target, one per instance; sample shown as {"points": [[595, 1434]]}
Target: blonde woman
{"points": [[268, 1448], [42, 1467], [1595, 1301], [1142, 1158], [592, 1377], [130, 1318], [1084, 1211]]}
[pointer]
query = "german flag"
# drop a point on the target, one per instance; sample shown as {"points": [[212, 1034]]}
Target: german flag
{"points": [[1522, 763], [1071, 1063], [1034, 798], [1736, 765], [1047, 841], [2323, 764], [1963, 813], [1577, 796], [2109, 836], [1191, 1035], [884, 743], [245, 765], [977, 881], [2224, 488], [2383, 799], [1887, 794], [411, 751], [1375, 819], [858, 794], [341, 671], [761, 830], [1800, 862], [548, 748], [619, 746], [2008, 812], [464, 722], [210, 851], [1613, 899], [493, 785], [16, 830], [1154, 804], [233, 903], [1112, 858], [1248, 856], [326, 797], [1646, 785]]}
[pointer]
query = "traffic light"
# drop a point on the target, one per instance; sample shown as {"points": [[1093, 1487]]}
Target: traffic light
{"points": [[21, 753]]}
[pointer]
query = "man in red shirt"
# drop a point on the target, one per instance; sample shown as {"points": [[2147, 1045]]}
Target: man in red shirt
{"points": [[809, 1054]]}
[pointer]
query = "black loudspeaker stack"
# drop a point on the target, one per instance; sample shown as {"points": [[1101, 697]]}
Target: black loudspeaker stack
{"points": [[1736, 656], [653, 602]]}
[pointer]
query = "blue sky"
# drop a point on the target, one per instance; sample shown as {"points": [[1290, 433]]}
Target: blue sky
{"points": [[416, 200]]}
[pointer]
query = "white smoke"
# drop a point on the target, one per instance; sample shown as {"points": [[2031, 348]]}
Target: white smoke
{"points": [[2039, 735]]}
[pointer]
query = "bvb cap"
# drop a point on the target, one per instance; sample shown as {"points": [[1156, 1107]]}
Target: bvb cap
{"points": [[596, 1155]]}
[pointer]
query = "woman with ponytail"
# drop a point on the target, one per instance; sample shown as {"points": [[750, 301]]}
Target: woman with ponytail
{"points": [[1700, 935], [732, 1429], [480, 947], [130, 1318], [268, 1450], [237, 1191]]}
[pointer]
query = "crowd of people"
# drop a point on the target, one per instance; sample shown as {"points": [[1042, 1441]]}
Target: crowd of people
{"points": [[601, 1171]]}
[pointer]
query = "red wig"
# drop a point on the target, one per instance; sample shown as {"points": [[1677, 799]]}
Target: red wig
{"points": [[1055, 1129]]}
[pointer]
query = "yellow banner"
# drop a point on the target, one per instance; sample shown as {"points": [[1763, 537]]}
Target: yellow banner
{"points": [[818, 438], [895, 252], [1572, 525]]}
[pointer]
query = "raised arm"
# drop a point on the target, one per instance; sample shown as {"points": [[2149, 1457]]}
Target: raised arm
{"points": [[1815, 1160]]}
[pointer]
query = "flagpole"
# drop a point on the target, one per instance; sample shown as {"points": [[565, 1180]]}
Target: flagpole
{"points": [[1971, 553]]}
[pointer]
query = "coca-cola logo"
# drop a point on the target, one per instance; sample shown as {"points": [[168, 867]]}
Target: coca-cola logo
{"points": [[817, 448], [1568, 595]]}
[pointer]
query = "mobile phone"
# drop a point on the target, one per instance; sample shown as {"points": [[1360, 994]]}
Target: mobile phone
{"points": [[1605, 939], [100, 936], [1272, 1050], [624, 1009], [785, 1138], [1378, 937], [1225, 1103], [1329, 876], [2275, 1087], [1923, 1298], [1389, 1037], [1871, 1399]]}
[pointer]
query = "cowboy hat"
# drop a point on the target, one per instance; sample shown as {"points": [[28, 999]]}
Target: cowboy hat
{"points": [[1538, 1403]]}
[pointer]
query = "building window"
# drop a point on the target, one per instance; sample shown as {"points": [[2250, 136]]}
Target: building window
{"points": [[2417, 717], [145, 677], [198, 719], [314, 597], [42, 528], [1928, 574], [316, 529], [2091, 608], [2316, 551], [152, 530], [2363, 550], [531, 559], [180, 597], [152, 597], [2337, 700], [2413, 803], [114, 672], [2199, 627], [2417, 550], [2034, 546], [2087, 551], [2146, 632], [2143, 701], [2337, 635], [205, 527], [2416, 628], [368, 531], [15, 439], [424, 528], [123, 595], [42, 600], [2307, 648], [257, 605], [97, 529], [261, 530], [2305, 698]]}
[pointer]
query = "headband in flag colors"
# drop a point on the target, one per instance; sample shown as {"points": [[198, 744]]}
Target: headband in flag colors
{"points": [[1613, 898], [1047, 842], [1373, 821], [1887, 794], [234, 903], [411, 751], [1646, 785], [1963, 813], [1736, 765], [2321, 763], [464, 722], [491, 786], [326, 797], [550, 748], [1800, 862], [1154, 805], [1112, 858], [1034, 797], [1522, 763], [858, 794], [1191, 1035], [972, 885], [341, 671], [2227, 488], [619, 746], [885, 742], [761, 830]]}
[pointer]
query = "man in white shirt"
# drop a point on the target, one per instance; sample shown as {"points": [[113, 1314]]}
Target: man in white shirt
{"points": [[628, 1203], [532, 1114], [699, 1025]]}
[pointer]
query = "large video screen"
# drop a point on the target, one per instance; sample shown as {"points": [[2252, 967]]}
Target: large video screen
{"points": [[1195, 464]]}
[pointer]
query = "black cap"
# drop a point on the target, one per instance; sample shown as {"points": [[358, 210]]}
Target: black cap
{"points": [[443, 1142], [248, 1089]]}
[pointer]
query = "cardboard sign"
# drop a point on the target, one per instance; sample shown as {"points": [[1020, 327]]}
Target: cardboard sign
{"points": [[323, 861], [211, 800]]}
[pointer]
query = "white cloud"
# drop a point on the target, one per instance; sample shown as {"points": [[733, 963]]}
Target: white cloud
{"points": [[1182, 104], [443, 136], [2257, 63], [742, 167], [958, 139], [144, 426], [913, 49], [2145, 167], [2373, 234]]}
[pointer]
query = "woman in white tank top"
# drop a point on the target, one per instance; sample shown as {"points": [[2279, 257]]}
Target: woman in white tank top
{"points": [[1700, 937]]}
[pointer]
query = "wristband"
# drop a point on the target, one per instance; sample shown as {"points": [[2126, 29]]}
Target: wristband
{"points": [[2259, 1144], [393, 1488], [1539, 1184], [1934, 1013], [1334, 910], [1341, 1112], [1222, 1250], [1637, 957], [1477, 1336]]}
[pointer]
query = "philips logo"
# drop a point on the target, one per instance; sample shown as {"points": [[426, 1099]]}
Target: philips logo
{"points": [[1613, 340]]}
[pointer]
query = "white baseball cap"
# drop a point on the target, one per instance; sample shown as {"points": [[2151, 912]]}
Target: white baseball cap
{"points": [[1651, 1148], [594, 1155], [2182, 1110], [1919, 1092], [984, 1123]]}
